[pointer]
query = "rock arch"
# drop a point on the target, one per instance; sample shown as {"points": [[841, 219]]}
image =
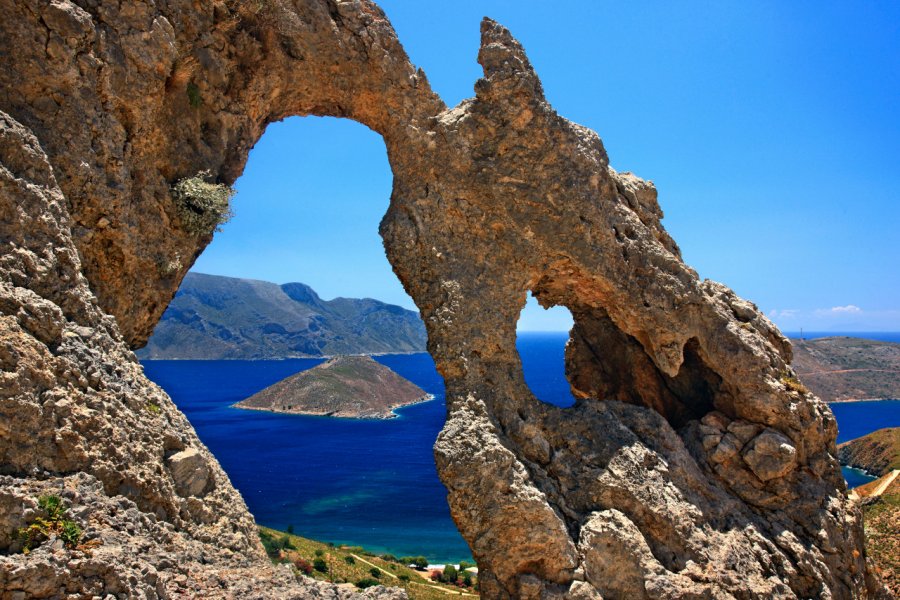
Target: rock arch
{"points": [[688, 468]]}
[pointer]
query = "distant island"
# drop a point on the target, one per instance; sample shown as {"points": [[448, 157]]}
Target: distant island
{"points": [[215, 318], [841, 369], [345, 386]]}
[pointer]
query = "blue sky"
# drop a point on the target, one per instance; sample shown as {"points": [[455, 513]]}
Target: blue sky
{"points": [[771, 129]]}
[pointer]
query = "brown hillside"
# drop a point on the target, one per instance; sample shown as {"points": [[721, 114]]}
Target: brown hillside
{"points": [[882, 519], [878, 453], [845, 368], [346, 386]]}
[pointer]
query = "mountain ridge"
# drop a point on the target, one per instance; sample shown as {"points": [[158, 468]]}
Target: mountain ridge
{"points": [[843, 368], [213, 317]]}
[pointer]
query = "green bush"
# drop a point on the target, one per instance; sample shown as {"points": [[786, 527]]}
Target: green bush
{"points": [[193, 94], [403, 577], [270, 544], [450, 574], [203, 207], [320, 552], [320, 565], [375, 572], [349, 560], [420, 562], [464, 564], [54, 523], [366, 583]]}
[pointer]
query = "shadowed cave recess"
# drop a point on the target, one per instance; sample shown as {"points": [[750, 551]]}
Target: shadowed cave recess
{"points": [[702, 474]]}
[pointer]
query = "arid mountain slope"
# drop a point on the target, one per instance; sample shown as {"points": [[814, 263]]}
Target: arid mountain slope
{"points": [[345, 386], [846, 368], [878, 453], [214, 317]]}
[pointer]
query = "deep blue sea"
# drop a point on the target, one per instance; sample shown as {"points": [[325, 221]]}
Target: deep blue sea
{"points": [[364, 482]]}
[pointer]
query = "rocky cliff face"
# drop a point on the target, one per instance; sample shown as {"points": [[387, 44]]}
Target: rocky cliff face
{"points": [[691, 467]]}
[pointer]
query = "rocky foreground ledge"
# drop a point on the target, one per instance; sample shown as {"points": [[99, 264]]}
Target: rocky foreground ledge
{"points": [[693, 465]]}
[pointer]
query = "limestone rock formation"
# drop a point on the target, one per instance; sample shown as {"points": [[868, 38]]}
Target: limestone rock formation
{"points": [[690, 467]]}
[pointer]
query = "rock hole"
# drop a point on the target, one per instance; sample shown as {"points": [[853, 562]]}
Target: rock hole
{"points": [[541, 337], [610, 364], [320, 209]]}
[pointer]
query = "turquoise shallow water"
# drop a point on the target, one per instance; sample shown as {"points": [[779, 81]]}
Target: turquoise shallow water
{"points": [[367, 482]]}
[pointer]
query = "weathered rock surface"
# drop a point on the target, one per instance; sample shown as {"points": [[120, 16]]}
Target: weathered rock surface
{"points": [[80, 420], [689, 468]]}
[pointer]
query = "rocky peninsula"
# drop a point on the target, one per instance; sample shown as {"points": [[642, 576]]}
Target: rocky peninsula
{"points": [[878, 453], [344, 386]]}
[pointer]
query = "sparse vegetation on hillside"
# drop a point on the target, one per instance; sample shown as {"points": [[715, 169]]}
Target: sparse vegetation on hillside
{"points": [[54, 523], [847, 368], [882, 522], [361, 568]]}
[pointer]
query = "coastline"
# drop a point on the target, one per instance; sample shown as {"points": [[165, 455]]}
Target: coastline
{"points": [[392, 414], [862, 470], [849, 400], [306, 357]]}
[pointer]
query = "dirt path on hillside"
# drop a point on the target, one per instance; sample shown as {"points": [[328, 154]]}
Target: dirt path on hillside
{"points": [[848, 371], [884, 484], [428, 585]]}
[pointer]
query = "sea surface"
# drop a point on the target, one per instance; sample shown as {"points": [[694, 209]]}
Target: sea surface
{"points": [[364, 482]]}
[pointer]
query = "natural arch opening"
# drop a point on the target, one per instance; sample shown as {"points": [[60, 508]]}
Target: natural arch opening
{"points": [[541, 338], [301, 272]]}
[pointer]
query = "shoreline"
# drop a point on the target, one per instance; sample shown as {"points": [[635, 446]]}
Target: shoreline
{"points": [[849, 400], [391, 415], [374, 550], [319, 357], [865, 472]]}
